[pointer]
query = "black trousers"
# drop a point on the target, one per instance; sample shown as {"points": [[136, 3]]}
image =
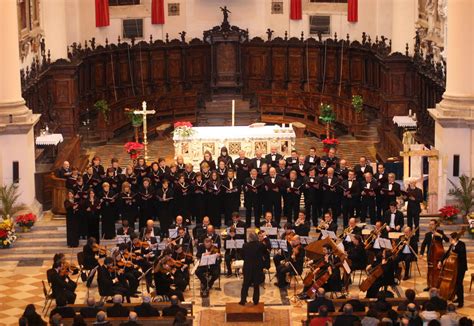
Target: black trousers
{"points": [[273, 204], [349, 209], [245, 291], [367, 209], [214, 272], [460, 287], [228, 257], [413, 218], [67, 295], [281, 274], [254, 203]]}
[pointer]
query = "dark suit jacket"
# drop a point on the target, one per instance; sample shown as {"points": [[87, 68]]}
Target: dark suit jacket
{"points": [[89, 312], [345, 320], [65, 312], [120, 231], [253, 163], [429, 238], [313, 306], [358, 171], [117, 310], [273, 163], [173, 310], [253, 256], [460, 250], [357, 305], [439, 304], [398, 218], [146, 310], [130, 323]]}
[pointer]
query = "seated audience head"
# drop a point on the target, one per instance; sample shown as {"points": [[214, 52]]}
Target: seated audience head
{"points": [[101, 317], [434, 322], [146, 298], [321, 293], [132, 316], [410, 295], [348, 309], [56, 320], [451, 308], [23, 321], [323, 311], [79, 321], [465, 321], [434, 293], [235, 216], [117, 298], [174, 300], [91, 301]]}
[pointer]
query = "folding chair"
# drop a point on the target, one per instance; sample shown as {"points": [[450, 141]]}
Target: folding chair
{"points": [[80, 262], [48, 298]]}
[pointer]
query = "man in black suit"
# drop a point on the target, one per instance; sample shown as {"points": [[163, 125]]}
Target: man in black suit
{"points": [[91, 310], [347, 317], [62, 286], [393, 218], [132, 320], [282, 170], [362, 168], [350, 197], [117, 310], [146, 309], [409, 249], [273, 157], [331, 159], [390, 191], [293, 188], [174, 308], [65, 171], [200, 230], [272, 196], [125, 229], [62, 309], [293, 159], [320, 300], [150, 227], [301, 167], [414, 197], [253, 253], [110, 282], [242, 167], [331, 194], [253, 192], [301, 226], [357, 305], [457, 247], [312, 159], [367, 201], [257, 161], [381, 177], [438, 303]]}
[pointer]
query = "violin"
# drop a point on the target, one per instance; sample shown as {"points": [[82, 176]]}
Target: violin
{"points": [[101, 250], [290, 236], [126, 263], [68, 268]]}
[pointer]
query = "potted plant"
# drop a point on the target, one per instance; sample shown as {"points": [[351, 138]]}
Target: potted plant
{"points": [[103, 107], [7, 233], [25, 221], [448, 214], [136, 120], [133, 149], [329, 143], [357, 103], [470, 220], [183, 129], [463, 194], [327, 116], [9, 196]]}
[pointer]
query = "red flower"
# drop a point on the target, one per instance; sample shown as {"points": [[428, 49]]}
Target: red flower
{"points": [[448, 211], [3, 234], [26, 219], [183, 124], [132, 146]]}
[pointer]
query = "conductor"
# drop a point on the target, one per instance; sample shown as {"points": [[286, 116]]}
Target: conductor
{"points": [[252, 254]]}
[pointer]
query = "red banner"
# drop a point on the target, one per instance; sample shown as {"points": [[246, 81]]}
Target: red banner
{"points": [[295, 10], [352, 12], [102, 17], [157, 12]]}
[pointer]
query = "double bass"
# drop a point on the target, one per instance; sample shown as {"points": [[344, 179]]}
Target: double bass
{"points": [[436, 252]]}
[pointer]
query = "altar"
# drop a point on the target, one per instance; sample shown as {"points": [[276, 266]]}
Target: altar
{"points": [[247, 138]]}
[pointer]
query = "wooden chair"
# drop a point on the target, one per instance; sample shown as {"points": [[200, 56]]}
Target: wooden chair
{"points": [[48, 298]]}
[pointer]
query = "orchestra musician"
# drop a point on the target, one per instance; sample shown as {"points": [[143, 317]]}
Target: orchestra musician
{"points": [[328, 223], [433, 244], [62, 286], [183, 239], [349, 232], [272, 195], [184, 257], [151, 229], [457, 247], [111, 281], [367, 202], [127, 263], [230, 254], [293, 263], [273, 157], [350, 197], [211, 234], [236, 222], [268, 221], [301, 226], [208, 274], [253, 193], [292, 196], [357, 254], [387, 278], [179, 222], [409, 250], [165, 280], [200, 230], [312, 194], [263, 238], [372, 244], [393, 218]]}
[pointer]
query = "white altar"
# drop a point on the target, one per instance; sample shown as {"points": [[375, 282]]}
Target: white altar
{"points": [[249, 139]]}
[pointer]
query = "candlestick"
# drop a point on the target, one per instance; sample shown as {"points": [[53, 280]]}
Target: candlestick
{"points": [[409, 112], [233, 113]]}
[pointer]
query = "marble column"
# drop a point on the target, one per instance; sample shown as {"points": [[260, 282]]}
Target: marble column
{"points": [[454, 115], [16, 120], [404, 15]]}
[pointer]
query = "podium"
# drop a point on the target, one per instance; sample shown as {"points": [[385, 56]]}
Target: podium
{"points": [[234, 312]]}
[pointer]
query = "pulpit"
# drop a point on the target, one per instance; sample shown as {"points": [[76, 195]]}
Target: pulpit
{"points": [[226, 66]]}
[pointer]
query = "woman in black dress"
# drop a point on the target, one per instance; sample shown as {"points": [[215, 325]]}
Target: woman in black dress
{"points": [[213, 197], [146, 203], [80, 196], [108, 211], [92, 211], [182, 190], [208, 159], [131, 178], [197, 202], [72, 220], [127, 204], [226, 158], [165, 196]]}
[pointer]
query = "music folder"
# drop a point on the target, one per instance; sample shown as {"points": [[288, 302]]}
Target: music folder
{"points": [[269, 230], [385, 243], [238, 231], [234, 244], [329, 234], [306, 240], [162, 245], [173, 233], [208, 260], [122, 239]]}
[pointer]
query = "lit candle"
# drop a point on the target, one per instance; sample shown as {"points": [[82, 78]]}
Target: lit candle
{"points": [[233, 113], [291, 126], [409, 112], [414, 116]]}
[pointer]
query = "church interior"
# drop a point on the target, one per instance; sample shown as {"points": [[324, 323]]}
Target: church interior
{"points": [[242, 162]]}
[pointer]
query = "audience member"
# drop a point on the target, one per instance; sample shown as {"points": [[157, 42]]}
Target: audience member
{"points": [[90, 311], [410, 296], [357, 305], [62, 309], [381, 304], [347, 317], [117, 310], [451, 317], [56, 320], [101, 319], [180, 319], [146, 309], [22, 321], [434, 322], [370, 319], [439, 304], [132, 320], [320, 300], [32, 317], [464, 321], [429, 313], [79, 321], [174, 308], [322, 319]]}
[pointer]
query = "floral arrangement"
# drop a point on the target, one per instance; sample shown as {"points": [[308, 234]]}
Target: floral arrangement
{"points": [[183, 129], [357, 103], [448, 213], [133, 149], [329, 143], [470, 219], [25, 220], [7, 233]]}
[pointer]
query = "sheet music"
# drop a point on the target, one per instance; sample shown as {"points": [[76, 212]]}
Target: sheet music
{"points": [[239, 231], [274, 244], [234, 244], [162, 245], [306, 240], [340, 245], [208, 260], [385, 243], [173, 233], [283, 245], [329, 234], [269, 230], [125, 238], [346, 266]]}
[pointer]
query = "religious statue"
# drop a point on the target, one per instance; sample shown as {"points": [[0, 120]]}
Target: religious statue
{"points": [[226, 13], [431, 8]]}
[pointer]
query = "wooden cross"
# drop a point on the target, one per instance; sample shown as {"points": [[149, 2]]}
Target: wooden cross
{"points": [[144, 112]]}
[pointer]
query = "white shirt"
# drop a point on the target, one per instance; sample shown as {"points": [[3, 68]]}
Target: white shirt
{"points": [[350, 183], [273, 180], [329, 181], [380, 176], [253, 182], [242, 161], [273, 157], [367, 186], [258, 163], [292, 184], [390, 186], [362, 168], [311, 179], [301, 166], [231, 181], [311, 159], [392, 220], [406, 249]]}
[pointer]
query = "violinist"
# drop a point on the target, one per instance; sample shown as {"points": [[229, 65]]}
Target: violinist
{"points": [[145, 200], [293, 264], [230, 254], [127, 266], [111, 281], [414, 196], [185, 259], [262, 237], [198, 194], [108, 210], [301, 226], [393, 218], [90, 254], [165, 280], [387, 278], [231, 187], [433, 243], [288, 236], [408, 251], [62, 286], [72, 220], [457, 247], [125, 229], [208, 274], [183, 239]]}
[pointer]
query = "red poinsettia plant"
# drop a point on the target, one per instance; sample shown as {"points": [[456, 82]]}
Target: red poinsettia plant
{"points": [[26, 220], [183, 129], [133, 149], [329, 143], [183, 124], [448, 212]]}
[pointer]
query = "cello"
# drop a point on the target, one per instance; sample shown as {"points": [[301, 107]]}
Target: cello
{"points": [[448, 273]]}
